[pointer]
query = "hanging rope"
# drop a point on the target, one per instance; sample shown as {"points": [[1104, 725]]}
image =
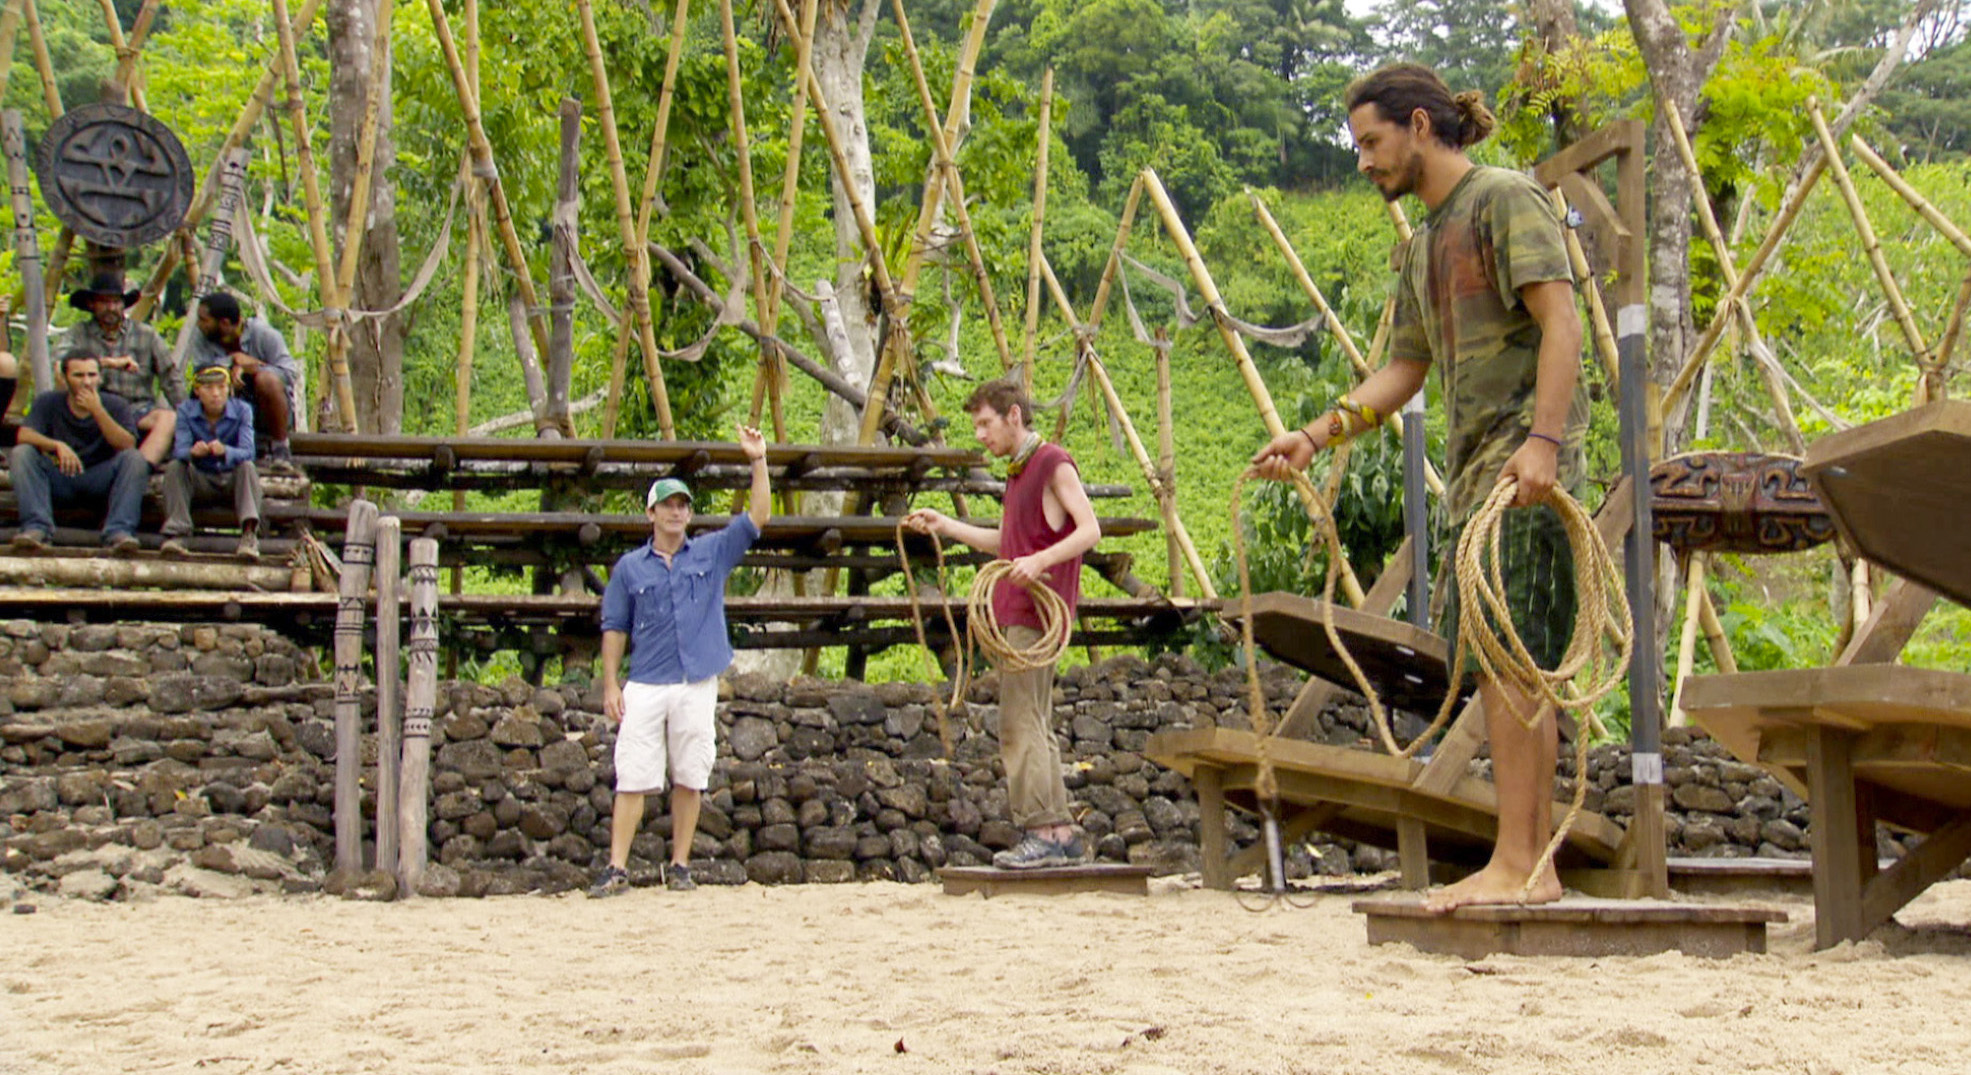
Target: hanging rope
{"points": [[982, 627], [1599, 647]]}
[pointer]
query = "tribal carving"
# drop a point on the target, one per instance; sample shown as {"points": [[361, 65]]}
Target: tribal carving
{"points": [[1743, 502]]}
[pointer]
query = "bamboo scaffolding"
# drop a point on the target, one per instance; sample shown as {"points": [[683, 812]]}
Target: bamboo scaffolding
{"points": [[639, 258], [1775, 386], [1687, 637], [1046, 139], [333, 306], [420, 701], [44, 65], [243, 125], [1332, 320], [389, 687], [783, 233], [1603, 330], [1113, 266], [487, 170], [126, 51], [1916, 200], [1898, 305], [1165, 496], [749, 214], [358, 556], [944, 163], [355, 222], [652, 175], [961, 94], [1953, 331], [10, 26], [1746, 278], [1236, 344], [126, 54], [1167, 460]]}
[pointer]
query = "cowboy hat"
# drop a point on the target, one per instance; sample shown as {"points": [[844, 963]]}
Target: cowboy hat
{"points": [[103, 284]]}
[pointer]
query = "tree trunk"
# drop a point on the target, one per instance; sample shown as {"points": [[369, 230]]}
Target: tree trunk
{"points": [[841, 47], [376, 347], [1554, 27]]}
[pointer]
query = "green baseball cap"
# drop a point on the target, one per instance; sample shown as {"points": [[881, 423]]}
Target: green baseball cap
{"points": [[665, 488]]}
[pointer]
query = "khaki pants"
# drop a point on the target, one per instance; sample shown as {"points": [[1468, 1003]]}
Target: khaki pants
{"points": [[185, 485], [1035, 793]]}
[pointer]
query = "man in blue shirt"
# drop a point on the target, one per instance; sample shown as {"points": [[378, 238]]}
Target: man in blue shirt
{"points": [[666, 603], [211, 459]]}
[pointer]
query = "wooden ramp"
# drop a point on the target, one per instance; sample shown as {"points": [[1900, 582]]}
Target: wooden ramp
{"points": [[1897, 489], [1407, 666], [1571, 927], [991, 881], [1863, 743], [1362, 795]]}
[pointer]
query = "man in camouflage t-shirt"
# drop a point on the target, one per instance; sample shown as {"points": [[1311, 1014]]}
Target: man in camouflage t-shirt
{"points": [[1485, 294]]}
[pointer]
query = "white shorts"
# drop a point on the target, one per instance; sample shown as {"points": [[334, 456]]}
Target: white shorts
{"points": [[668, 729]]}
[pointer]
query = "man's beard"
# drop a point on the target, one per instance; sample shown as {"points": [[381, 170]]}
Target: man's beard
{"points": [[1404, 177]]}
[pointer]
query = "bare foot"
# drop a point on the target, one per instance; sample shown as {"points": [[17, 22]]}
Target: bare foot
{"points": [[1493, 884]]}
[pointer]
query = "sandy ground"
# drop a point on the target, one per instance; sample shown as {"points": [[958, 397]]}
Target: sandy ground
{"points": [[901, 979]]}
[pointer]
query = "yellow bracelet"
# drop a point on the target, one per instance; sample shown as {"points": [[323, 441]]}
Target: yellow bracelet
{"points": [[1370, 419]]}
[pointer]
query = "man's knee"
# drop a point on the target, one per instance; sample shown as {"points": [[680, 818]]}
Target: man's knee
{"points": [[22, 456], [130, 463], [160, 419]]}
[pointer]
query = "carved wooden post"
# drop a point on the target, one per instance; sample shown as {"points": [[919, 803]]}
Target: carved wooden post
{"points": [[358, 555], [389, 694], [27, 250], [420, 699]]}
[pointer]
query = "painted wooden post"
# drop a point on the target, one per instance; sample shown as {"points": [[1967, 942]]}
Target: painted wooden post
{"points": [[27, 250], [358, 556], [420, 699], [389, 682]]}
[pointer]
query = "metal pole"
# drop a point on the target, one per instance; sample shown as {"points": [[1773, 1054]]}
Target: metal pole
{"points": [[1639, 566], [1416, 511]]}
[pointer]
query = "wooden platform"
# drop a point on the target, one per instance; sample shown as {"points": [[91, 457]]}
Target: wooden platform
{"points": [[990, 881], [1863, 743], [1363, 795], [1407, 666], [1572, 927], [1898, 490]]}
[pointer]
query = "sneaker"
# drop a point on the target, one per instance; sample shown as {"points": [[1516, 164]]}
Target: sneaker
{"points": [[1035, 852], [30, 541], [123, 545], [173, 549], [249, 546], [279, 459], [612, 881], [678, 878]]}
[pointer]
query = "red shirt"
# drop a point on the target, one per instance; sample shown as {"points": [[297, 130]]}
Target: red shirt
{"points": [[1024, 530]]}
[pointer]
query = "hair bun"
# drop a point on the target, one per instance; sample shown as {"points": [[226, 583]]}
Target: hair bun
{"points": [[1478, 121]]}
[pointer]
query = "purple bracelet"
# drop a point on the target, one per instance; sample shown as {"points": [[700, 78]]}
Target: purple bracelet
{"points": [[1555, 441]]}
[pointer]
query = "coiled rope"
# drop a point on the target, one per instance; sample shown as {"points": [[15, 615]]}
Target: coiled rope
{"points": [[1596, 658], [983, 630]]}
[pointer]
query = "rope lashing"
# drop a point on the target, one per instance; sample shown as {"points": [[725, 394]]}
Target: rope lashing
{"points": [[983, 630]]}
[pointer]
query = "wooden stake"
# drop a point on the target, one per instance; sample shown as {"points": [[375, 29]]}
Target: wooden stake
{"points": [[1045, 141], [358, 557], [652, 174], [389, 687], [333, 307], [1336, 329], [421, 700], [638, 296]]}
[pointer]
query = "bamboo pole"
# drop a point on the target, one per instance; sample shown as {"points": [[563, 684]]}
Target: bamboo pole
{"points": [[1775, 386], [27, 249], [10, 26], [1113, 266], [639, 257], [1336, 329], [1603, 329], [126, 53], [749, 214], [945, 164], [355, 224], [1032, 329], [389, 687], [1746, 277], [961, 92], [97, 572], [1910, 194], [1870, 245], [783, 235], [1714, 635], [1165, 495], [468, 343], [420, 701], [358, 557], [333, 307], [561, 276], [652, 174], [1167, 460], [44, 65], [484, 166], [1687, 637], [1953, 331]]}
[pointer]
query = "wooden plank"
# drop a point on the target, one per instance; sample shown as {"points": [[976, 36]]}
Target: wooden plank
{"points": [[1317, 692], [1588, 928], [1413, 853], [1932, 860], [619, 451], [782, 531], [1896, 490], [1889, 627], [1212, 837], [1052, 881], [1836, 842], [1406, 665]]}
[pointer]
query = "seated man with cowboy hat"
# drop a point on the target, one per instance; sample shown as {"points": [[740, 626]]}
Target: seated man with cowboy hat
{"points": [[135, 361]]}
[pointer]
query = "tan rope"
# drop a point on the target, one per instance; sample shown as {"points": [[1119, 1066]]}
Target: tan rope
{"points": [[982, 627]]}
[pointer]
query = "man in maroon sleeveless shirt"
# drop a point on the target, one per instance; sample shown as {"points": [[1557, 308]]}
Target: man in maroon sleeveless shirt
{"points": [[1047, 525]]}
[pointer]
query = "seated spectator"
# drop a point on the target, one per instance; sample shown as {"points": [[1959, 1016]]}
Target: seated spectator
{"points": [[78, 447], [135, 360], [211, 460], [264, 373]]}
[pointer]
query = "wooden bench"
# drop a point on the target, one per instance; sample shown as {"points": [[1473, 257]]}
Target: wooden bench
{"points": [[1571, 927]]}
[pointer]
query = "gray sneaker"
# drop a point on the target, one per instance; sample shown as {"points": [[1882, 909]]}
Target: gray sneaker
{"points": [[249, 546], [123, 545], [612, 881], [173, 549], [678, 878], [1035, 852], [30, 541]]}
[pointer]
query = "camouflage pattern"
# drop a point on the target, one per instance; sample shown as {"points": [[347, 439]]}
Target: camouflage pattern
{"points": [[1458, 307], [154, 370], [1536, 564]]}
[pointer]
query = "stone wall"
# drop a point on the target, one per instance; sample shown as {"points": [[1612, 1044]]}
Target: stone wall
{"points": [[200, 759]]}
